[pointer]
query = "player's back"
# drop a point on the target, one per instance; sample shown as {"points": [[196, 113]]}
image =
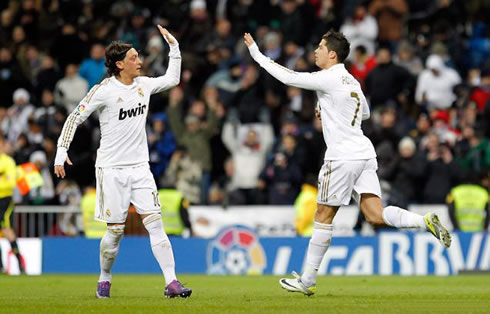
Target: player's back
{"points": [[343, 107]]}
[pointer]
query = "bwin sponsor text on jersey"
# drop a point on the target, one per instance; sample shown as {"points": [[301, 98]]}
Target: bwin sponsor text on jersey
{"points": [[132, 112]]}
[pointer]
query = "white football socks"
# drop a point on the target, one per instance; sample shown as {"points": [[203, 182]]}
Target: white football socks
{"points": [[160, 245], [400, 218], [319, 243], [109, 246]]}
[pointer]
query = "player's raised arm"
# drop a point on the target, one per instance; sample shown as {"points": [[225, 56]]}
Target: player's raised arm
{"points": [[312, 81], [172, 76], [88, 105]]}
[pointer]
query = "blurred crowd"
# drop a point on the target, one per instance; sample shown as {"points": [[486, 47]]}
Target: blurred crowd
{"points": [[230, 134]]}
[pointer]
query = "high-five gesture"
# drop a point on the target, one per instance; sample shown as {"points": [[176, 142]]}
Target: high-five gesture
{"points": [[167, 36], [249, 40]]}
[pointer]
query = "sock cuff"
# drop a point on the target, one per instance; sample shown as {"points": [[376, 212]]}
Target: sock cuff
{"points": [[116, 230], [151, 218], [323, 227]]}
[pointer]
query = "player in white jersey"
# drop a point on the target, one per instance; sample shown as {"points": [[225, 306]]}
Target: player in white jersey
{"points": [[349, 169], [122, 170]]}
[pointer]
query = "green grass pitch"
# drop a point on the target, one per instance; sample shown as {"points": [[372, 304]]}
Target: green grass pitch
{"points": [[247, 294]]}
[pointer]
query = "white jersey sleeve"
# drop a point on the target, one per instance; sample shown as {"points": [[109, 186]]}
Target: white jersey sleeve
{"points": [[171, 78], [317, 81], [85, 108], [366, 114]]}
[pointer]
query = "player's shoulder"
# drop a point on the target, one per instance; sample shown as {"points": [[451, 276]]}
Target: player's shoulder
{"points": [[98, 90]]}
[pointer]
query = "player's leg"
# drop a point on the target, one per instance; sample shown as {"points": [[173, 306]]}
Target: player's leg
{"points": [[144, 197], [335, 184], [367, 186], [7, 208], [109, 247], [317, 248], [112, 202]]}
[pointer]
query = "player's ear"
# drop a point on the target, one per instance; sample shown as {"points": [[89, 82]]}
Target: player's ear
{"points": [[120, 65], [332, 54]]}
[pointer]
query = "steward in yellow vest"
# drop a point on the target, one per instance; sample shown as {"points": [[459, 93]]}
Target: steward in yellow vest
{"points": [[93, 228], [305, 206], [468, 207], [175, 213]]}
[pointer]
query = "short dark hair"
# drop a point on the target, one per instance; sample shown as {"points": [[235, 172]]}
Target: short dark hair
{"points": [[362, 49], [336, 41], [116, 51]]}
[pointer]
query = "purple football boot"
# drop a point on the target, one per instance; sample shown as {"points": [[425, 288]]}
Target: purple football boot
{"points": [[176, 289], [103, 290]]}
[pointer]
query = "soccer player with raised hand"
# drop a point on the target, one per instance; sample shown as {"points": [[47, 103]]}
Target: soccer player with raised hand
{"points": [[349, 168], [122, 171]]}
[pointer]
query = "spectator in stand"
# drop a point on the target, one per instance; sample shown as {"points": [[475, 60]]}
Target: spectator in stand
{"points": [[292, 23], [442, 171], [68, 47], [161, 143], [406, 174], [44, 194], [185, 174], [435, 85], [44, 115], [362, 64], [442, 127], [192, 136], [272, 45], [481, 94], [282, 179], [19, 114], [422, 129], [93, 69], [195, 27], [227, 81], [70, 90], [477, 159], [390, 15], [388, 82], [154, 63], [249, 98], [248, 155], [11, 77], [406, 57], [135, 33], [389, 129], [6, 25], [361, 29], [47, 77]]}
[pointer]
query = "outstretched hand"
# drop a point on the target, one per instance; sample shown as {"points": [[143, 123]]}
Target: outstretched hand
{"points": [[166, 34], [249, 40]]}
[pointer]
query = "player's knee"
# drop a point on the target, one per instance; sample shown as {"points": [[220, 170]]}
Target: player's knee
{"points": [[325, 214], [116, 230], [153, 223], [151, 219]]}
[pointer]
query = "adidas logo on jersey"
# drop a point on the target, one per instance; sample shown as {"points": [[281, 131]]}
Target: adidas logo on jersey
{"points": [[120, 100], [132, 112]]}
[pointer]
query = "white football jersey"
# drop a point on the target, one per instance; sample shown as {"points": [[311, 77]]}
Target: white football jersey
{"points": [[123, 110], [342, 103]]}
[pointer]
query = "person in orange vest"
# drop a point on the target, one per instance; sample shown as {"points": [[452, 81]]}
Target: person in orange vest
{"points": [[7, 185]]}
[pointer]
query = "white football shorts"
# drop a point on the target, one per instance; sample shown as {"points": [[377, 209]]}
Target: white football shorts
{"points": [[118, 187], [339, 180]]}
